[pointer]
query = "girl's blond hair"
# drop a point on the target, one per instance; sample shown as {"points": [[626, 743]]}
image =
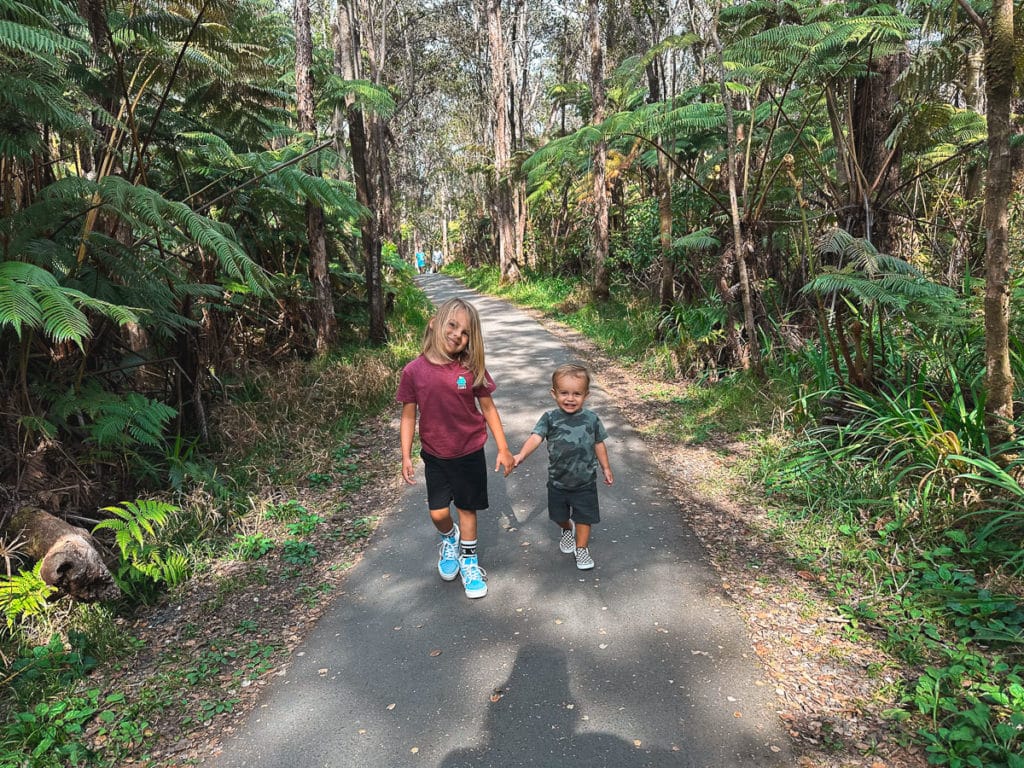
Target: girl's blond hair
{"points": [[472, 357]]}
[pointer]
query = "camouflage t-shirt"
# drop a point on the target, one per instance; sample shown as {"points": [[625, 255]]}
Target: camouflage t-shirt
{"points": [[571, 437]]}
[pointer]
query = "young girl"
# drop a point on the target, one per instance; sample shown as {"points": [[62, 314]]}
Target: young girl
{"points": [[445, 383]]}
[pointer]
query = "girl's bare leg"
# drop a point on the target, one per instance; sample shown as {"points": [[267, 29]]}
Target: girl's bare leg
{"points": [[467, 524], [442, 519]]}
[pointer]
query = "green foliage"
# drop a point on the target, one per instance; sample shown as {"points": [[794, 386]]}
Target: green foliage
{"points": [[50, 735], [23, 596], [116, 422], [975, 706], [297, 552], [33, 298], [145, 561], [305, 525], [251, 546]]}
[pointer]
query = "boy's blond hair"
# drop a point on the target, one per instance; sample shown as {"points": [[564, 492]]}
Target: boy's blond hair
{"points": [[573, 371], [472, 357]]}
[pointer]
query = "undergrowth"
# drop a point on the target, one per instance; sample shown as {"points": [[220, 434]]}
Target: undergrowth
{"points": [[228, 511]]}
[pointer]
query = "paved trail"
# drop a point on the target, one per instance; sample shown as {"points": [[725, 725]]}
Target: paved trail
{"points": [[639, 662]]}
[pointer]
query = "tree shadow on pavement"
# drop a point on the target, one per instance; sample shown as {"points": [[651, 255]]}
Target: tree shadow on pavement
{"points": [[533, 720]]}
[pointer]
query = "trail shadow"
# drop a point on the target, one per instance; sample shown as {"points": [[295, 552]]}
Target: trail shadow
{"points": [[535, 721]]}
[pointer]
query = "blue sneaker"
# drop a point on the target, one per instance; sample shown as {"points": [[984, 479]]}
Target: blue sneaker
{"points": [[448, 555], [474, 578]]}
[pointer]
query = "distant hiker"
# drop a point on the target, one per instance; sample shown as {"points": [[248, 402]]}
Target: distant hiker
{"points": [[445, 383], [438, 260], [421, 262], [576, 448]]}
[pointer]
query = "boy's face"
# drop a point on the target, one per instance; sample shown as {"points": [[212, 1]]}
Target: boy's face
{"points": [[570, 392]]}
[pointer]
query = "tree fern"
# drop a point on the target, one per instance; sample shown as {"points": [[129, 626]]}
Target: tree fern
{"points": [[859, 272], [113, 421], [32, 297]]}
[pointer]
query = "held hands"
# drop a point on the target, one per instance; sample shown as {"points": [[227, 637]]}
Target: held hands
{"points": [[506, 460]]}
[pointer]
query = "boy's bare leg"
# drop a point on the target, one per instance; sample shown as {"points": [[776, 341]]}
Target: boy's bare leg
{"points": [[566, 526], [582, 535]]}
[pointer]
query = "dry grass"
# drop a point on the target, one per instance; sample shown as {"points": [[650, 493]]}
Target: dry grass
{"points": [[300, 412]]}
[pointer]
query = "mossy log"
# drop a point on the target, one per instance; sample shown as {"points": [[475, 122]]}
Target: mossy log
{"points": [[72, 560]]}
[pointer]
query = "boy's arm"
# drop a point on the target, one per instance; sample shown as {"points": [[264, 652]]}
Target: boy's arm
{"points": [[405, 432], [490, 412], [531, 445], [602, 459]]}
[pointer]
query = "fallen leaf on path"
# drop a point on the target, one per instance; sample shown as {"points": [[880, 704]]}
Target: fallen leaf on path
{"points": [[436, 652], [390, 707], [637, 742]]}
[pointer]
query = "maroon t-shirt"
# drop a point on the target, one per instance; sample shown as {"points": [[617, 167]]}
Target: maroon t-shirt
{"points": [[450, 423]]}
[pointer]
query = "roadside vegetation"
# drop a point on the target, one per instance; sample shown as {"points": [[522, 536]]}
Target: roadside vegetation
{"points": [[891, 498], [270, 511]]}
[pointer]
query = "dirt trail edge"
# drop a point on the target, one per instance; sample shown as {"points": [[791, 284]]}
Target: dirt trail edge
{"points": [[642, 661]]}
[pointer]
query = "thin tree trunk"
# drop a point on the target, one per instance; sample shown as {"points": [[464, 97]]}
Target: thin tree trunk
{"points": [[663, 185], [324, 321], [503, 209], [347, 59], [999, 76], [751, 354], [599, 239]]}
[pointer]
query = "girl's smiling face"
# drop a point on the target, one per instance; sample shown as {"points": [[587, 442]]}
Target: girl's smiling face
{"points": [[456, 334], [570, 392]]}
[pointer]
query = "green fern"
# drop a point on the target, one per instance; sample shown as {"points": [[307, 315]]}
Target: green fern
{"points": [[132, 521], [145, 562], [861, 273], [116, 421], [24, 595], [32, 297]]}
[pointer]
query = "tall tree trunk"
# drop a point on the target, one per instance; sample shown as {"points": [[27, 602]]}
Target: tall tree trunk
{"points": [[324, 321], [504, 215], [599, 239], [874, 105], [752, 353], [663, 187], [347, 47], [999, 76]]}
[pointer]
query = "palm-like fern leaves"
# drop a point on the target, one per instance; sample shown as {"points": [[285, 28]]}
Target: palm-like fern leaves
{"points": [[862, 274], [32, 297]]}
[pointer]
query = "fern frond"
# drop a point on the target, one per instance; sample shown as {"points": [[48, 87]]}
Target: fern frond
{"points": [[24, 595], [695, 241]]}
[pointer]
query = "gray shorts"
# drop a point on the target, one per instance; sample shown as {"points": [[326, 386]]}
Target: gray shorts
{"points": [[578, 504]]}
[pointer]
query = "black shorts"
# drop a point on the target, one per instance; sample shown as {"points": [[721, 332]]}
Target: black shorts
{"points": [[462, 481], [578, 504]]}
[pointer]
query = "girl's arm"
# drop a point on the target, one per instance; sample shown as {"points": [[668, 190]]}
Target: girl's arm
{"points": [[490, 412], [405, 432], [531, 445], [602, 459]]}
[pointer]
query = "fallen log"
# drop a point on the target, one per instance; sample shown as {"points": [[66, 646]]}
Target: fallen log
{"points": [[72, 559]]}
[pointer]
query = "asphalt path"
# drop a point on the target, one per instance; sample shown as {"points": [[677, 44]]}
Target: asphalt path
{"points": [[639, 662]]}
